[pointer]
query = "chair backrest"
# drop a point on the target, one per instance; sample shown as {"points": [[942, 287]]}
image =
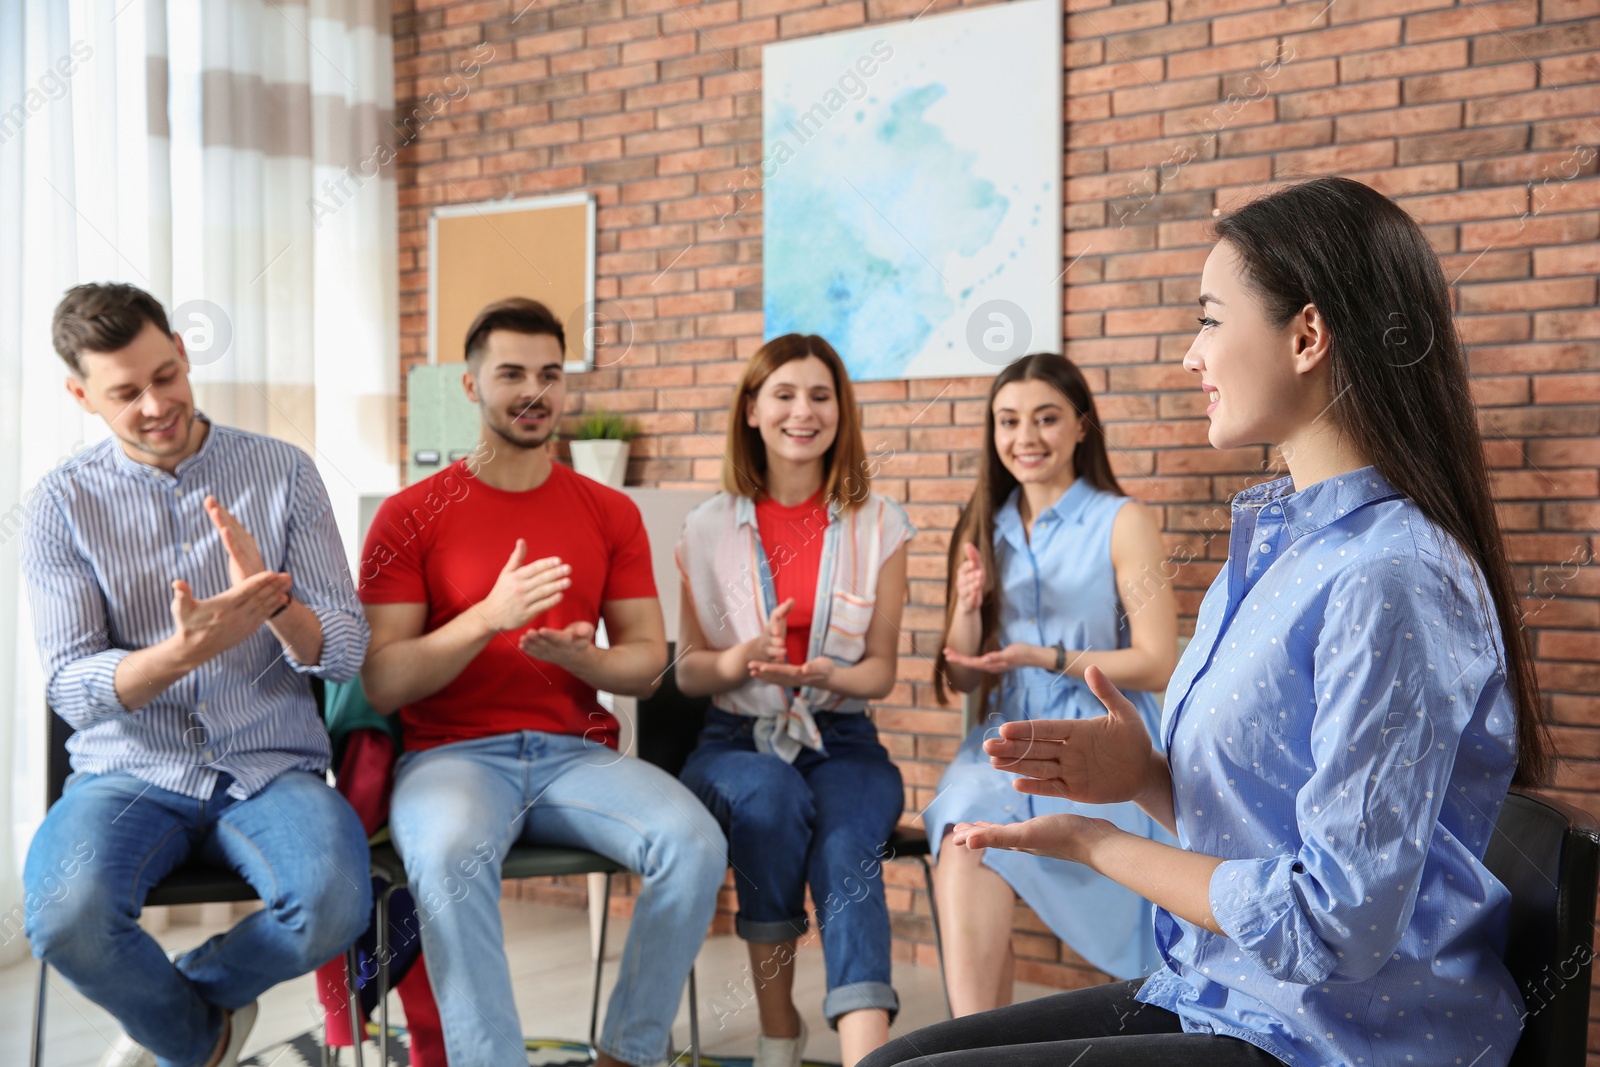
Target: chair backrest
{"points": [[667, 725], [60, 766], [1548, 855]]}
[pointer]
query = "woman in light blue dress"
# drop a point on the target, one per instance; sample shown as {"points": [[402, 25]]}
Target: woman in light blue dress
{"points": [[1052, 570]]}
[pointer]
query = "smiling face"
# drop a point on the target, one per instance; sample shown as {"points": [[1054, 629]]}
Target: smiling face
{"points": [[142, 391], [519, 385], [1251, 371], [1036, 432], [797, 411]]}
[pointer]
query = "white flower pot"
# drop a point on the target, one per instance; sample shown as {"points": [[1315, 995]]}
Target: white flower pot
{"points": [[604, 461]]}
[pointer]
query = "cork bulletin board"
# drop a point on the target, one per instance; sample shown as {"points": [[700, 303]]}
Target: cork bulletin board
{"points": [[542, 247]]}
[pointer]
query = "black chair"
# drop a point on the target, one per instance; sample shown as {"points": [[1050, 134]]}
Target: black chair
{"points": [[193, 883], [1548, 854]]}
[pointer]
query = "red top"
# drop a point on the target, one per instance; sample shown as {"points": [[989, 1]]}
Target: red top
{"points": [[792, 538], [443, 542]]}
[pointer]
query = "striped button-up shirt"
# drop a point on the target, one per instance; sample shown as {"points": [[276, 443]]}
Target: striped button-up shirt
{"points": [[106, 536]]}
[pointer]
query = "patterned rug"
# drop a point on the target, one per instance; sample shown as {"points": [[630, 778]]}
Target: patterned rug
{"points": [[307, 1051]]}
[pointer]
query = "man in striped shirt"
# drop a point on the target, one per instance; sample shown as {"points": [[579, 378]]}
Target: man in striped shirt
{"points": [[187, 581]]}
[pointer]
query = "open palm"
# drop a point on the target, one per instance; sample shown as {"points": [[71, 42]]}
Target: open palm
{"points": [[1101, 760]]}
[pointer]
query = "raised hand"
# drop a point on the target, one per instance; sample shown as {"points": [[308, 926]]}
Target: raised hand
{"points": [[969, 580], [1006, 659], [769, 645], [523, 591], [562, 647], [1107, 759], [774, 646], [244, 555], [209, 627]]}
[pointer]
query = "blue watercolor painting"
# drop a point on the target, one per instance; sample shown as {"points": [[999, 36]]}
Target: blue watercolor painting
{"points": [[911, 187]]}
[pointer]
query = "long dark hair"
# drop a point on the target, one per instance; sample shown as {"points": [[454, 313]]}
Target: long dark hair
{"points": [[995, 483], [1397, 364]]}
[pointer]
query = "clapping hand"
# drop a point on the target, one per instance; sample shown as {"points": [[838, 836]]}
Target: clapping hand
{"points": [[969, 580], [773, 644], [1003, 660], [524, 591], [561, 647], [816, 673], [244, 555], [769, 663], [1062, 837], [214, 625], [1106, 759]]}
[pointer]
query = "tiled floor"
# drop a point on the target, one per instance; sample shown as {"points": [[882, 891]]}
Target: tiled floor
{"points": [[549, 951]]}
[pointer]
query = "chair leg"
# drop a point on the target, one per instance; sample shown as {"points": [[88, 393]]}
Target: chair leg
{"points": [[938, 940], [382, 915], [36, 1044], [694, 1022], [353, 992], [599, 966]]}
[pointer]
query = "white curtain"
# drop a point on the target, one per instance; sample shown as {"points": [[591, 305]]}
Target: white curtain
{"points": [[225, 155]]}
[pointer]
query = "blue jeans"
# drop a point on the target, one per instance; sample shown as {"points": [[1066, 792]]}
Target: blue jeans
{"points": [[458, 808], [823, 820], [112, 837]]}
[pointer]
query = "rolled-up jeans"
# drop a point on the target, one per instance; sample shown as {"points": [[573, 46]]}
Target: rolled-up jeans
{"points": [[111, 837], [458, 808], [823, 820]]}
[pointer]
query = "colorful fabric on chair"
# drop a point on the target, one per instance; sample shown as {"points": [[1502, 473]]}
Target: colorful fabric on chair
{"points": [[366, 745]]}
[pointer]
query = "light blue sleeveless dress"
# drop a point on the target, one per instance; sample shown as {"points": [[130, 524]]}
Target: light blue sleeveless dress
{"points": [[1061, 587]]}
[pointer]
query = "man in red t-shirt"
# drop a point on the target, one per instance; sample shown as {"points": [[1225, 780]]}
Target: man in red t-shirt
{"points": [[484, 585]]}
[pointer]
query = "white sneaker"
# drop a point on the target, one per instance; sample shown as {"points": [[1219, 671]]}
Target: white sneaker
{"points": [[128, 1053], [239, 1024], [780, 1051]]}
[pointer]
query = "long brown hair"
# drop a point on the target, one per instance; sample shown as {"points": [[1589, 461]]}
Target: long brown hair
{"points": [[1355, 254], [995, 483], [846, 479]]}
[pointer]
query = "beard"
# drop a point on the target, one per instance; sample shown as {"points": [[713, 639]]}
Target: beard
{"points": [[177, 444], [505, 426]]}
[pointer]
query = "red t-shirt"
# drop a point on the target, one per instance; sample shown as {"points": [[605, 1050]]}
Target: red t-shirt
{"points": [[792, 539], [444, 541]]}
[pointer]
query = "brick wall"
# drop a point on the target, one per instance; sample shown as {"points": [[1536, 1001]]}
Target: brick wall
{"points": [[1480, 118]]}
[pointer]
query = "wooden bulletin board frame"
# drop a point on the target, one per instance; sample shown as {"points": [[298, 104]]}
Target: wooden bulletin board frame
{"points": [[541, 247]]}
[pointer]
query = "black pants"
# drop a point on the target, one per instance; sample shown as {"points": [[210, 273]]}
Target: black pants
{"points": [[1102, 1026]]}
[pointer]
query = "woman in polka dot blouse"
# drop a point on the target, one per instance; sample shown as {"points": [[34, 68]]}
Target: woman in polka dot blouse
{"points": [[1342, 730]]}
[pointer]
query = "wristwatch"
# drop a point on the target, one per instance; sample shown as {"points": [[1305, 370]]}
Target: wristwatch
{"points": [[1061, 657], [286, 604]]}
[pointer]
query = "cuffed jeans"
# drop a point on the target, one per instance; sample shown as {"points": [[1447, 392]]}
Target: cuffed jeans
{"points": [[458, 808], [111, 837], [824, 819]]}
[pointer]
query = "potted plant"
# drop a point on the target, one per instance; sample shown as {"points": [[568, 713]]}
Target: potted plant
{"points": [[600, 447]]}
